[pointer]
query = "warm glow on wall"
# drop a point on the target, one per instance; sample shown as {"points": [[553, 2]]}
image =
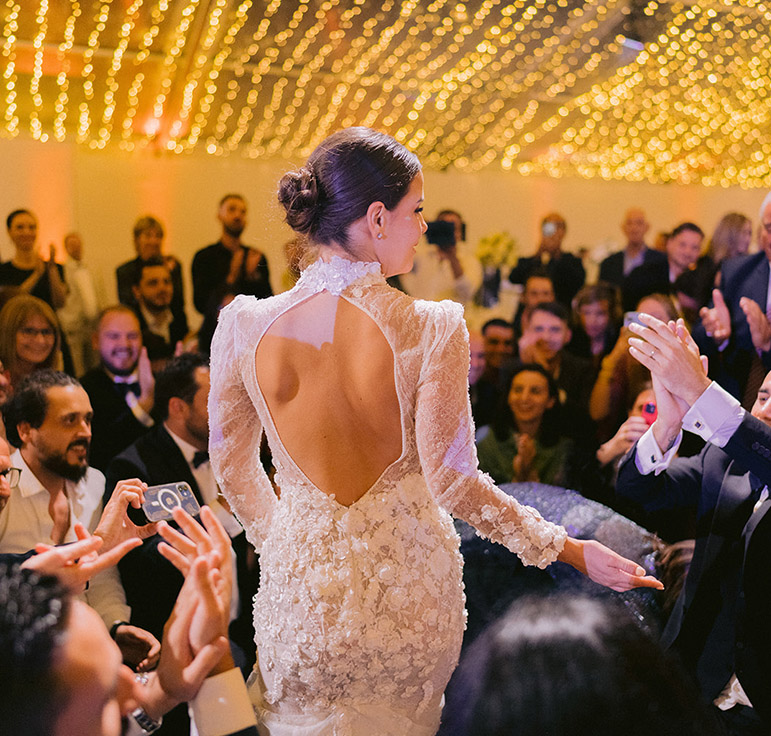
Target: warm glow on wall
{"points": [[643, 91]]}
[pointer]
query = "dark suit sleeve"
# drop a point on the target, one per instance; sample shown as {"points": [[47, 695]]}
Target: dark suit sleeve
{"points": [[750, 446], [677, 487]]}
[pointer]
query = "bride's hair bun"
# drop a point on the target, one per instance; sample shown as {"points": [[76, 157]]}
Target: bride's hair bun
{"points": [[298, 192]]}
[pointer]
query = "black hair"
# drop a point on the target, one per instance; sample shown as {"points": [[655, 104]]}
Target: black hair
{"points": [[9, 220], [554, 308], [152, 262], [569, 665], [231, 196], [346, 173], [496, 322], [177, 379], [29, 402], [503, 422], [686, 226], [34, 610]]}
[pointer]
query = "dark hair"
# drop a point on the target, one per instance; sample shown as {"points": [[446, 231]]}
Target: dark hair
{"points": [[230, 196], [569, 665], [152, 262], [686, 226], [540, 273], [504, 423], [29, 402], [554, 308], [177, 379], [9, 220], [346, 173], [496, 322], [453, 213], [34, 610], [599, 292], [147, 222]]}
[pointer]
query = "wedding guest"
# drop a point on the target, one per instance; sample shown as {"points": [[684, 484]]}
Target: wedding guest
{"points": [[121, 388], [566, 270], [659, 277], [538, 289], [571, 665], [81, 309], [446, 271], [498, 346], [525, 442], [618, 265], [162, 329], [621, 378], [596, 319], [30, 339], [43, 279], [148, 243], [228, 262]]}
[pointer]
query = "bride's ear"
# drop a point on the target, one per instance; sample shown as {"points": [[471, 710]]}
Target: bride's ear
{"points": [[377, 215]]}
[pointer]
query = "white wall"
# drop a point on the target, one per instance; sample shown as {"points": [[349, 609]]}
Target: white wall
{"points": [[101, 194]]}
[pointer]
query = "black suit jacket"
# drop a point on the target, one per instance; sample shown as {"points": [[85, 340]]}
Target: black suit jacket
{"points": [[714, 625], [612, 267], [157, 347], [114, 426], [650, 278], [150, 581], [566, 272], [740, 276]]}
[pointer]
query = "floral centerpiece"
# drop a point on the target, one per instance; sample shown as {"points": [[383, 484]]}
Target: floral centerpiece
{"points": [[494, 252]]}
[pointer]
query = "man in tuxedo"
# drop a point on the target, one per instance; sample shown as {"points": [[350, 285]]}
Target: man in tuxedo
{"points": [[176, 449], [564, 269], [659, 275], [618, 265], [161, 328], [122, 388], [734, 332], [719, 623]]}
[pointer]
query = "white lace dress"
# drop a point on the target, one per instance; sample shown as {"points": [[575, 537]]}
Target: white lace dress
{"points": [[360, 611]]}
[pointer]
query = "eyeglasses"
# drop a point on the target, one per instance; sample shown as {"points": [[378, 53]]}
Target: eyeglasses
{"points": [[34, 331], [12, 475]]}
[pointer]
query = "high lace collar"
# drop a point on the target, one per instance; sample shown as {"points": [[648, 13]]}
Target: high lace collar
{"points": [[338, 274]]}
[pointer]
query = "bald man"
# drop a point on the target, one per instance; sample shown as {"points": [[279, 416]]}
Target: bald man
{"points": [[616, 266]]}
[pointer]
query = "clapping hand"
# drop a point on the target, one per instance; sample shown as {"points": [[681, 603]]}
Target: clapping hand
{"points": [[716, 319], [760, 329]]}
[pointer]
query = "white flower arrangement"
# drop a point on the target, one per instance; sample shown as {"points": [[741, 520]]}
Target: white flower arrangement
{"points": [[497, 249]]}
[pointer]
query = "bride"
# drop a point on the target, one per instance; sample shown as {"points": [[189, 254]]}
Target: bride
{"points": [[362, 393]]}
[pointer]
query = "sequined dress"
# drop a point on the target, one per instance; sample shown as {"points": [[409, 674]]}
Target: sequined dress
{"points": [[360, 611]]}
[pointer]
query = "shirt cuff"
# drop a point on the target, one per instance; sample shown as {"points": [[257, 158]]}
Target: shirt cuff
{"points": [[232, 527], [222, 705], [714, 416], [649, 459], [141, 415]]}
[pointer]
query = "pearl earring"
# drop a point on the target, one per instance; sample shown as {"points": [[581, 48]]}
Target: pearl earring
{"points": [[380, 236]]}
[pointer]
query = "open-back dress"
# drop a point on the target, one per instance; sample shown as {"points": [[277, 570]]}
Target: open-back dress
{"points": [[360, 612]]}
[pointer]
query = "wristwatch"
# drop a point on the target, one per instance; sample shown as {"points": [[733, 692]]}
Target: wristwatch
{"points": [[147, 724]]}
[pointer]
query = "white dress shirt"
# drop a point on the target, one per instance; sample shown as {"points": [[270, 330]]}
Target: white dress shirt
{"points": [[25, 521]]}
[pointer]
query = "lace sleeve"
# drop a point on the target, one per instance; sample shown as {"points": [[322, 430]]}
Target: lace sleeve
{"points": [[445, 437], [235, 429]]}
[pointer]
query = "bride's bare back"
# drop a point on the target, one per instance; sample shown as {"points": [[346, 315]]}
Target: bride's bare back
{"points": [[326, 372]]}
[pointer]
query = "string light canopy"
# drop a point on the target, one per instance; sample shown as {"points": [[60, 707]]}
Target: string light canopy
{"points": [[640, 90]]}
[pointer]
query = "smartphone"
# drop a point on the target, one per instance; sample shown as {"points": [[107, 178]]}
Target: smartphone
{"points": [[650, 412], [161, 500], [631, 317]]}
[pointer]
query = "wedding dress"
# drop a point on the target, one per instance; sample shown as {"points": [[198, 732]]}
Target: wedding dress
{"points": [[360, 611]]}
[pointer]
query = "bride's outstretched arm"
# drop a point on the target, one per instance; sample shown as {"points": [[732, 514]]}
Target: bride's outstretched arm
{"points": [[445, 437]]}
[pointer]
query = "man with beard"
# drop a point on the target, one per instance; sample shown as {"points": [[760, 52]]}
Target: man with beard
{"points": [[49, 419], [176, 449], [161, 328], [229, 266], [122, 388]]}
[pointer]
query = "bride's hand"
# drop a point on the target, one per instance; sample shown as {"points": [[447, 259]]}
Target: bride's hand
{"points": [[606, 567]]}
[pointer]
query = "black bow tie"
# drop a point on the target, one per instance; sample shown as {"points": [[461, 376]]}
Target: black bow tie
{"points": [[126, 388], [200, 457]]}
